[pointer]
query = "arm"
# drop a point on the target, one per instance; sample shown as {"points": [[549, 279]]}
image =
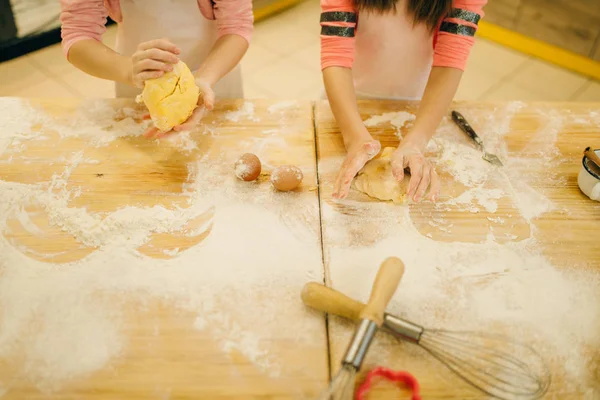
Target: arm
{"points": [[452, 48], [223, 57], [338, 23], [439, 92], [339, 86], [235, 23], [360, 145], [95, 58], [234, 30], [454, 42], [82, 24]]}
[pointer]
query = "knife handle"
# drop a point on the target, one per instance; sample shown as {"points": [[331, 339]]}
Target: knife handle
{"points": [[466, 127], [592, 156]]}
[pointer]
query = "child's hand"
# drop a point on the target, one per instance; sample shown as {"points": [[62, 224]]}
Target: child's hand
{"points": [[422, 173], [206, 101], [152, 59], [358, 155]]}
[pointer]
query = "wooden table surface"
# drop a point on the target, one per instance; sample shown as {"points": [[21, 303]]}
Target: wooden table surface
{"points": [[196, 300], [182, 314], [544, 144]]}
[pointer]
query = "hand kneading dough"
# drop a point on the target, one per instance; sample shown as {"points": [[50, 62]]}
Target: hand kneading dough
{"points": [[377, 180], [172, 98]]}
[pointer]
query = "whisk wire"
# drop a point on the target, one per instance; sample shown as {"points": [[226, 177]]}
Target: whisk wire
{"points": [[479, 377], [472, 362], [341, 386], [489, 356]]}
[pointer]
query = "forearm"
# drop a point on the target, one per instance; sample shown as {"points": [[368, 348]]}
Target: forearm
{"points": [[96, 59], [439, 92], [339, 85], [226, 53]]}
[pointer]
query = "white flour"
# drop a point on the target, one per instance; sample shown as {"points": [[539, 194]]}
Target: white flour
{"points": [[457, 286], [282, 106], [68, 319], [245, 112], [396, 119]]}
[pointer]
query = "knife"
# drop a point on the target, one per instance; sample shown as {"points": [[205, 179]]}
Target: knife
{"points": [[466, 128]]}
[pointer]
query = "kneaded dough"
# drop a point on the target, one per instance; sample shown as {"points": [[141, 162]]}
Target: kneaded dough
{"points": [[377, 180], [171, 98]]}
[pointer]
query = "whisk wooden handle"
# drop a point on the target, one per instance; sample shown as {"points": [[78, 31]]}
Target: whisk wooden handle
{"points": [[322, 298], [591, 154], [329, 300], [387, 280]]}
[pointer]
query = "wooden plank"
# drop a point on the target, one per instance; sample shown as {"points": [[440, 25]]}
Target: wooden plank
{"points": [[508, 251], [134, 268]]}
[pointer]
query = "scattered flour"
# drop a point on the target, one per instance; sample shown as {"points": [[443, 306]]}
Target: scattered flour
{"points": [[182, 141], [77, 309], [68, 320], [282, 106], [472, 286], [463, 162], [487, 198], [397, 119], [245, 112], [242, 169], [488, 285]]}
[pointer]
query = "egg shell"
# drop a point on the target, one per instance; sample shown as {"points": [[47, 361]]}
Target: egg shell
{"points": [[247, 167], [286, 178]]}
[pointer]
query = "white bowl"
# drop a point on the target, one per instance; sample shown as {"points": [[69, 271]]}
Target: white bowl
{"points": [[588, 180]]}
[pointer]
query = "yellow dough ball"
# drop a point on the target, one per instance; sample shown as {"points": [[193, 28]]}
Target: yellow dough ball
{"points": [[171, 98]]}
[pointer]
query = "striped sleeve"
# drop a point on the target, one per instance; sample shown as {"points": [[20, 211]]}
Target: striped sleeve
{"points": [[455, 36], [338, 25]]}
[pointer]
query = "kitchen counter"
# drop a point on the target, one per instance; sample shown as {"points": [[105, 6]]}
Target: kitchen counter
{"points": [[136, 268]]}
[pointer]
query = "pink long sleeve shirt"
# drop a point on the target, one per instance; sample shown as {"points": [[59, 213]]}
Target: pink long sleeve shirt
{"points": [[86, 19], [389, 56]]}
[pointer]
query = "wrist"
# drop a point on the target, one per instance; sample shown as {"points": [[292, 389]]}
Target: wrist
{"points": [[203, 78], [354, 137], [416, 138], [126, 71]]}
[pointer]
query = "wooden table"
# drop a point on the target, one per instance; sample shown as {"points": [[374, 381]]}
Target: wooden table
{"points": [[184, 313], [142, 269], [454, 252]]}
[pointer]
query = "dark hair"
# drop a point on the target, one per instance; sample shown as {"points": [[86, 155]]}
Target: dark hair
{"points": [[426, 11]]}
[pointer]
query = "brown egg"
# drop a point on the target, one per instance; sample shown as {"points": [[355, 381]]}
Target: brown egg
{"points": [[286, 178], [247, 167]]}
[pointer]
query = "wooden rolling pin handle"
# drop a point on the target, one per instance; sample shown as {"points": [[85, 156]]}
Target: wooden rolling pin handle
{"points": [[591, 154], [328, 300], [387, 280]]}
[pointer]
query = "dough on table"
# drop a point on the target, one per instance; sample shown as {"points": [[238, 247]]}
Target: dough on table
{"points": [[377, 180], [171, 98]]}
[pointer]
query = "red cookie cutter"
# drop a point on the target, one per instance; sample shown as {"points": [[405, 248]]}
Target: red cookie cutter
{"points": [[391, 375]]}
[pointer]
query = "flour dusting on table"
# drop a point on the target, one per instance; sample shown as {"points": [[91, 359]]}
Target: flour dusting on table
{"points": [[245, 112], [68, 320], [504, 286], [396, 119], [282, 106]]}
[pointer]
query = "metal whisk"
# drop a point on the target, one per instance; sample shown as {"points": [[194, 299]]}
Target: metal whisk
{"points": [[371, 317], [471, 355]]}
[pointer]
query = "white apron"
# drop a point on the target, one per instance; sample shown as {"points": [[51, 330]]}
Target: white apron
{"points": [[392, 57], [183, 24]]}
